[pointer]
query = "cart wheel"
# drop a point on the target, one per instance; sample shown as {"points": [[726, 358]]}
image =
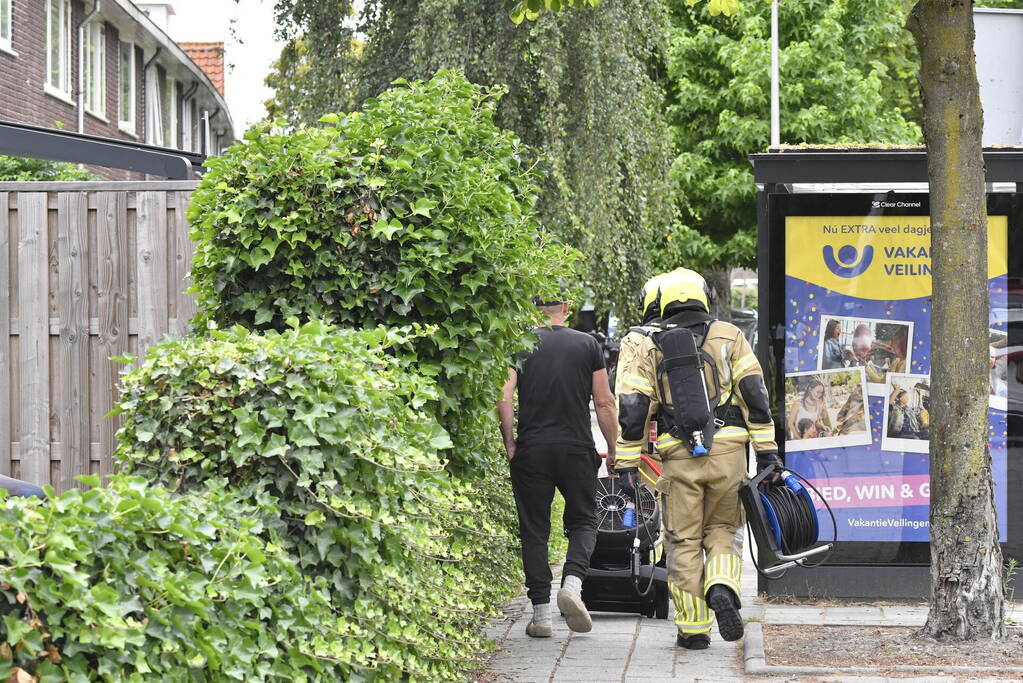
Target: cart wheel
{"points": [[661, 602]]}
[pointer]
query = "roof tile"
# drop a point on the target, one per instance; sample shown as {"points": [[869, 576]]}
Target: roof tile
{"points": [[210, 58]]}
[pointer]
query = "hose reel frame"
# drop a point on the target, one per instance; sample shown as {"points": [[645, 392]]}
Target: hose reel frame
{"points": [[769, 514]]}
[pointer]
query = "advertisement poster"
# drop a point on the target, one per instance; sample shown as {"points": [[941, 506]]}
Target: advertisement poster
{"points": [[858, 363]]}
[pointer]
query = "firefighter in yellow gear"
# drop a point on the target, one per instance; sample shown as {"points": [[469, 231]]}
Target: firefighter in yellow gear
{"points": [[702, 513], [627, 350]]}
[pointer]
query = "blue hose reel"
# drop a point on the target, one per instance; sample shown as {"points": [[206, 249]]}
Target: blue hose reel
{"points": [[783, 519]]}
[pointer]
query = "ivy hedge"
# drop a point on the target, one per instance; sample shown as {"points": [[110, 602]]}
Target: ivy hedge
{"points": [[330, 425], [134, 583]]}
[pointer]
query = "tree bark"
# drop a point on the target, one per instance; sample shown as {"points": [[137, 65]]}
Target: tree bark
{"points": [[967, 600], [720, 281]]}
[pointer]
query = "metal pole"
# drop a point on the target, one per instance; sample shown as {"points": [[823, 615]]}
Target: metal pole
{"points": [[775, 116]]}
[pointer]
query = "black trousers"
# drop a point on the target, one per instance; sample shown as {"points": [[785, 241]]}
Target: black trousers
{"points": [[535, 472]]}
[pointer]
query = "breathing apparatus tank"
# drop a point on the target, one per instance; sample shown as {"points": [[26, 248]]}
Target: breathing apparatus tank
{"points": [[690, 411]]}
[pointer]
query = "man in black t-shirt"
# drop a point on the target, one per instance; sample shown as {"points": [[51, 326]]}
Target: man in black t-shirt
{"points": [[554, 448]]}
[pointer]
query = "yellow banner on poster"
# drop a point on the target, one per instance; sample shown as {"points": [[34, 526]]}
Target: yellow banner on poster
{"points": [[874, 257]]}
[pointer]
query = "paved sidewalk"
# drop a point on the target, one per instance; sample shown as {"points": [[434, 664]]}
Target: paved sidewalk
{"points": [[621, 647], [627, 648]]}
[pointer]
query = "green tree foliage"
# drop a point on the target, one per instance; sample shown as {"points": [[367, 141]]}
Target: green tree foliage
{"points": [[840, 84], [532, 9], [579, 93], [133, 583], [333, 426], [20, 169]]}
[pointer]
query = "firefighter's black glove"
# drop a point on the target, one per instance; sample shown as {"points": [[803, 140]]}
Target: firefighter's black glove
{"points": [[767, 458]]}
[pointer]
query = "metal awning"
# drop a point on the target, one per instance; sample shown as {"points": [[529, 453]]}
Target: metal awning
{"points": [[35, 142], [783, 166]]}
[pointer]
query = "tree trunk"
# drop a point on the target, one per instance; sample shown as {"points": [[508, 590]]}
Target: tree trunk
{"points": [[966, 560], [720, 282]]}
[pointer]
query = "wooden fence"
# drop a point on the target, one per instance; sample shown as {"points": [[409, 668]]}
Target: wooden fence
{"points": [[88, 271]]}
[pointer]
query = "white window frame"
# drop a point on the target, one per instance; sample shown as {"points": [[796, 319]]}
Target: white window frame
{"points": [[7, 27], [96, 68], [170, 132], [62, 88], [128, 125]]}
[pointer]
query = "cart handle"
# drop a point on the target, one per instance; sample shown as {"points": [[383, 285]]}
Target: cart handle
{"points": [[646, 459]]}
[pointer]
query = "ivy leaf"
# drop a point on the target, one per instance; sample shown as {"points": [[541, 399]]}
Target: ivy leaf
{"points": [[422, 206], [385, 229]]}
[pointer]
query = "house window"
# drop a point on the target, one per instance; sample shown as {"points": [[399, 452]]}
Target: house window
{"points": [[5, 25], [170, 114], [58, 48], [196, 127], [126, 104], [154, 107], [96, 68], [186, 125]]}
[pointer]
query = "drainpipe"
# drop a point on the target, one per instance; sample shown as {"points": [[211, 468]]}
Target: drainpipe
{"points": [[190, 92], [81, 65], [145, 97]]}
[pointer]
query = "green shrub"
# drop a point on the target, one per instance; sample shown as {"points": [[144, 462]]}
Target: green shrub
{"points": [[330, 425], [20, 169], [416, 209], [132, 583]]}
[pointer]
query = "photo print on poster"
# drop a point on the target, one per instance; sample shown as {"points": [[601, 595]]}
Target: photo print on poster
{"points": [[877, 346], [907, 413], [826, 409], [998, 355]]}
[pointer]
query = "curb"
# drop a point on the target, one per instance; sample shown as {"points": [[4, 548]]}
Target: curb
{"points": [[755, 663]]}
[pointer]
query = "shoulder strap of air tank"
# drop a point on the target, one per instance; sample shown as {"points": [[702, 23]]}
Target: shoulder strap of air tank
{"points": [[646, 330]]}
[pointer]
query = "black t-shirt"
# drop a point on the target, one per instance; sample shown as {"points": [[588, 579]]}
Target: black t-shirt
{"points": [[555, 383]]}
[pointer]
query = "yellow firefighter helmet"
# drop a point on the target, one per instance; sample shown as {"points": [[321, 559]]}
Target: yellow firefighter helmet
{"points": [[683, 286]]}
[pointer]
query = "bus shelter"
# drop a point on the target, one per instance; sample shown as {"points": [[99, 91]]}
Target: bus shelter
{"points": [[844, 300]]}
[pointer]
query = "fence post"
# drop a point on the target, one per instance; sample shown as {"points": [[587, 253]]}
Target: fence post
{"points": [[33, 396]]}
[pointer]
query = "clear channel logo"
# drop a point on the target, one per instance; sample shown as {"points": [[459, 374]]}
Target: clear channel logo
{"points": [[850, 262]]}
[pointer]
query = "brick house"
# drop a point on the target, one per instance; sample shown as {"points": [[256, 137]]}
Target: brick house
{"points": [[136, 84]]}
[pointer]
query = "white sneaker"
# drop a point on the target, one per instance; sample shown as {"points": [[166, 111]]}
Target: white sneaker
{"points": [[539, 629], [571, 605]]}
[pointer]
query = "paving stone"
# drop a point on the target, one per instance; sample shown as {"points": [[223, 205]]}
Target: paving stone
{"points": [[579, 674], [529, 676], [904, 616], [668, 624], [792, 615], [842, 614], [612, 658], [614, 624], [752, 611]]}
